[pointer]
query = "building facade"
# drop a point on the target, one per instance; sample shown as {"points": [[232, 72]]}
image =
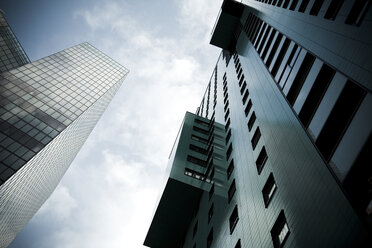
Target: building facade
{"points": [[47, 110], [292, 88]]}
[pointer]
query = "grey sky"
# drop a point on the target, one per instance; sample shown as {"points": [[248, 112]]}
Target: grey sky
{"points": [[107, 197]]}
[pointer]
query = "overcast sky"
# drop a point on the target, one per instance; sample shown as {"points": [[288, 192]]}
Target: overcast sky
{"points": [[108, 195]]}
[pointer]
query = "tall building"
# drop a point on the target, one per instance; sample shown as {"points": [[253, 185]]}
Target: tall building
{"points": [[277, 153], [47, 110]]}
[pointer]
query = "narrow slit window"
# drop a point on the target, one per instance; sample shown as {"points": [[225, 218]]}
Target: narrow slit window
{"points": [[230, 169], [228, 136], [229, 151], [256, 137], [231, 191], [243, 88], [357, 12], [245, 96], [251, 121], [280, 231], [269, 190], [227, 114], [316, 7], [233, 220], [210, 213], [303, 6], [248, 107], [261, 160], [210, 238], [293, 5]]}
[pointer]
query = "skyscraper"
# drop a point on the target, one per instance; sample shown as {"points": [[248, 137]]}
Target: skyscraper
{"points": [[291, 91], [47, 110]]}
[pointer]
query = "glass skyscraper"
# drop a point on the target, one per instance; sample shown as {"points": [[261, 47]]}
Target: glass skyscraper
{"points": [[47, 110], [278, 152]]}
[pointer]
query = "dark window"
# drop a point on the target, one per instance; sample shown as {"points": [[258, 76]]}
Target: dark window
{"points": [[227, 124], [228, 136], [195, 229], [197, 138], [286, 3], [210, 238], [303, 6], [226, 98], [210, 213], [339, 118], [230, 169], [194, 245], [248, 108], [197, 161], [233, 220], [200, 130], [280, 57], [333, 9], [238, 244], [251, 121], [227, 114], [293, 5], [198, 149], [226, 105], [299, 80], [267, 46], [245, 96], [358, 183], [280, 231], [229, 151], [231, 191], [261, 160], [243, 88], [262, 42], [316, 7], [256, 137], [357, 12], [316, 94], [202, 122], [273, 50], [211, 191], [241, 81], [269, 190], [279, 3]]}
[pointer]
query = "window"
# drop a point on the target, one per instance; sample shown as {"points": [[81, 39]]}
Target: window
{"points": [[261, 160], [243, 88], [293, 5], [238, 244], [197, 138], [228, 136], [226, 105], [196, 161], [299, 80], [233, 220], [273, 50], [231, 191], [316, 94], [202, 122], [251, 121], [248, 108], [338, 120], [200, 130], [198, 149], [280, 57], [227, 114], [210, 212], [245, 96], [286, 3], [303, 6], [316, 7], [256, 137], [210, 238], [229, 151], [241, 81], [269, 190], [230, 169], [280, 231], [195, 229], [357, 12], [227, 125], [333, 9], [211, 191]]}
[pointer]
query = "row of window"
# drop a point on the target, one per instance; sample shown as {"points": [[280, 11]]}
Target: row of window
{"points": [[279, 231], [355, 17]]}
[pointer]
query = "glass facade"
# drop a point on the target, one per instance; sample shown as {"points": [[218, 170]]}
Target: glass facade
{"points": [[11, 52], [47, 110]]}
